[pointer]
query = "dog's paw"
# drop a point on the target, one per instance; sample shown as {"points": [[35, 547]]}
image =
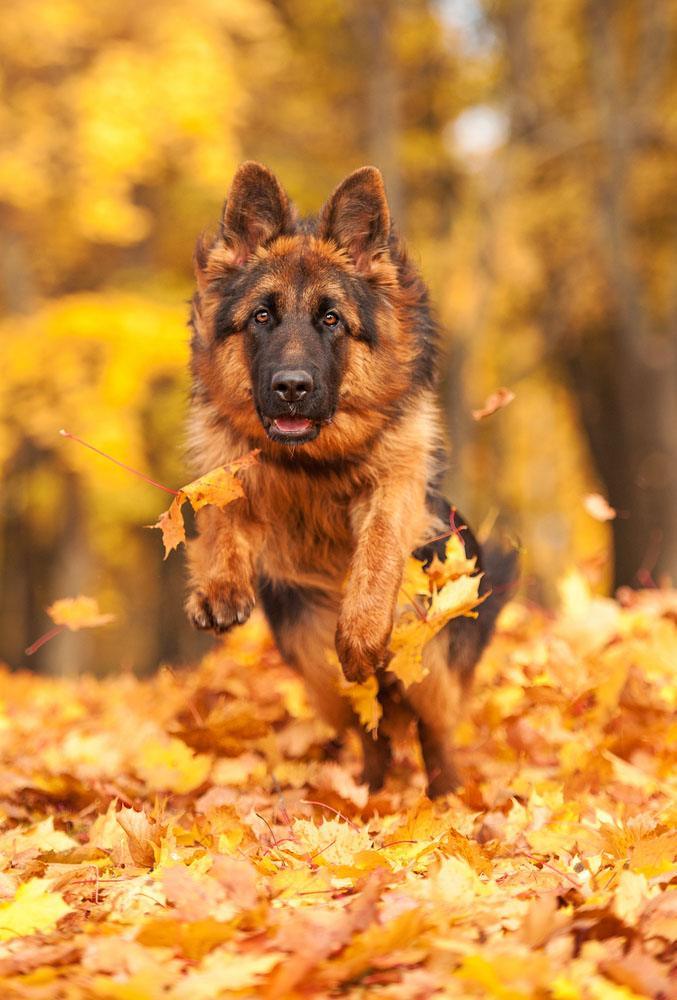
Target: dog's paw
{"points": [[360, 659], [219, 606]]}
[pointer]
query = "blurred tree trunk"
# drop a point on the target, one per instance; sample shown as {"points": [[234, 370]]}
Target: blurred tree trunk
{"points": [[629, 409], [623, 372], [70, 575], [382, 110]]}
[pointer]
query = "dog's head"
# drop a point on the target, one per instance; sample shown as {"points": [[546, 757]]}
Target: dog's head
{"points": [[300, 326]]}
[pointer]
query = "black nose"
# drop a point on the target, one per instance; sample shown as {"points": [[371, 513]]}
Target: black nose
{"points": [[292, 385]]}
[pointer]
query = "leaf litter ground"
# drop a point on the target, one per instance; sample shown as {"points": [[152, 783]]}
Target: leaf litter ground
{"points": [[187, 837]]}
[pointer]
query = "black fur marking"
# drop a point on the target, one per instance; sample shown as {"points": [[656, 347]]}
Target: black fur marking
{"points": [[232, 290], [442, 509], [284, 605], [418, 316], [365, 299], [469, 636]]}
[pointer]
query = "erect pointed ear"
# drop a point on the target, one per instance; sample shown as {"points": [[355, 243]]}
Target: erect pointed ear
{"points": [[256, 211], [357, 217]]}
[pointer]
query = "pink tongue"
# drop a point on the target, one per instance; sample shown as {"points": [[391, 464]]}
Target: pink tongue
{"points": [[292, 425]]}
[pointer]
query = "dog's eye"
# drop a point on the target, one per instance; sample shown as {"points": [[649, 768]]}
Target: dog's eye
{"points": [[261, 316], [330, 318]]}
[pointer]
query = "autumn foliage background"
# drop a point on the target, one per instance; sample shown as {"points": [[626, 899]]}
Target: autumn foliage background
{"points": [[529, 154]]}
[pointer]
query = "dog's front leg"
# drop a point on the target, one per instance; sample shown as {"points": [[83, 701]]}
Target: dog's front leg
{"points": [[221, 568], [385, 536]]}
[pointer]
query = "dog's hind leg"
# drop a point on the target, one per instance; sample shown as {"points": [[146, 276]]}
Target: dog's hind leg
{"points": [[436, 701], [377, 757], [450, 659]]}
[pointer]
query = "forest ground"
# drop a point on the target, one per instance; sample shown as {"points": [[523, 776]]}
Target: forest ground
{"points": [[186, 836]]}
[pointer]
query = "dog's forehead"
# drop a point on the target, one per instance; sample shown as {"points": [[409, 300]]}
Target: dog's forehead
{"points": [[300, 271]]}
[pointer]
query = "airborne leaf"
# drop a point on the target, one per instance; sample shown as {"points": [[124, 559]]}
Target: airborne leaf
{"points": [[598, 507], [170, 523], [78, 612], [218, 487], [496, 401]]}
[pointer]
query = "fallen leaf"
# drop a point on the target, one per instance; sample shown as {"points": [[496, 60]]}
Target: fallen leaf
{"points": [[34, 909], [168, 764], [142, 835], [223, 971], [193, 896]]}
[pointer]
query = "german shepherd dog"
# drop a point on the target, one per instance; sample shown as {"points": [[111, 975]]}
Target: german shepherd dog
{"points": [[313, 341]]}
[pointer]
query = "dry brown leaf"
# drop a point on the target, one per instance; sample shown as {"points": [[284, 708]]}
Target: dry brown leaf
{"points": [[140, 831], [496, 401], [193, 896]]}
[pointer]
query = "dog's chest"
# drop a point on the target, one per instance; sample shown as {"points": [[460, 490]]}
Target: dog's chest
{"points": [[307, 531]]}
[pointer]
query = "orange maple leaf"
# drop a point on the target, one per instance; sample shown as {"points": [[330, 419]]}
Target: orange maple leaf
{"points": [[219, 487], [72, 613]]}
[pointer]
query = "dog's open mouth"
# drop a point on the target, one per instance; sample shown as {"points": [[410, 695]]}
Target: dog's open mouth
{"points": [[292, 426], [291, 429]]}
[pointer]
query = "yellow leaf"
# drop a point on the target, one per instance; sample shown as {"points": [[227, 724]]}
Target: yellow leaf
{"points": [[78, 612], [414, 581], [169, 765], [224, 972], [456, 884], [142, 835], [496, 977], [630, 897], [410, 635], [455, 564], [364, 699], [143, 985], [378, 940], [42, 838], [34, 909], [290, 884], [456, 844], [195, 939]]}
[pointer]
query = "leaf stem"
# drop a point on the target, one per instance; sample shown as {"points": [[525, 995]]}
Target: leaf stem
{"points": [[128, 468], [34, 647], [337, 812]]}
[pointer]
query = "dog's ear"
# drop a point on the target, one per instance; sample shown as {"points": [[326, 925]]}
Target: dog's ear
{"points": [[256, 211], [357, 217]]}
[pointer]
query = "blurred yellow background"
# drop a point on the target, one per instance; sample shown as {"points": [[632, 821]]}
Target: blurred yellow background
{"points": [[529, 150]]}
